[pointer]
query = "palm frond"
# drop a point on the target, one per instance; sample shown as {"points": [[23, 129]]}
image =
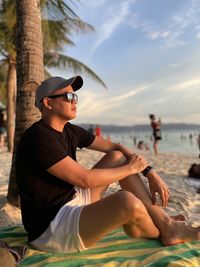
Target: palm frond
{"points": [[57, 8], [47, 74], [78, 25], [55, 35], [3, 64], [7, 28], [52, 59], [59, 21]]}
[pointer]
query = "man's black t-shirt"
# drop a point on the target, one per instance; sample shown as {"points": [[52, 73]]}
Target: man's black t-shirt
{"points": [[43, 194]]}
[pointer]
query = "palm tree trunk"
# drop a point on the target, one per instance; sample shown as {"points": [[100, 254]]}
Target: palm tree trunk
{"points": [[29, 67], [11, 88]]}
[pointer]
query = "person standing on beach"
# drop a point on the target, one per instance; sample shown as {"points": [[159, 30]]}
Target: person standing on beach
{"points": [[98, 131], [155, 124], [91, 129], [62, 203]]}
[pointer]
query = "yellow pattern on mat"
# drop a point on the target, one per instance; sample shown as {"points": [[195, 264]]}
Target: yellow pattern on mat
{"points": [[115, 250]]}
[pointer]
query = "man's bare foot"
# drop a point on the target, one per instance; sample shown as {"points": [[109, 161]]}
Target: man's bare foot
{"points": [[178, 232], [179, 217]]}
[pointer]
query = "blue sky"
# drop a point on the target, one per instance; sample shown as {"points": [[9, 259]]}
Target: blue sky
{"points": [[148, 54]]}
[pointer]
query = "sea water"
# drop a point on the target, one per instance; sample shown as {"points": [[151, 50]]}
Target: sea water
{"points": [[173, 141]]}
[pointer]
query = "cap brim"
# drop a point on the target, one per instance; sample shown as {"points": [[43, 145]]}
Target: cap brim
{"points": [[77, 83]]}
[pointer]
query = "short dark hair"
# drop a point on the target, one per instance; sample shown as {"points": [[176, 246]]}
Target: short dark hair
{"points": [[151, 116]]}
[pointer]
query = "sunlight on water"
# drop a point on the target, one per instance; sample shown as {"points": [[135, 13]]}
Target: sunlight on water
{"points": [[172, 141]]}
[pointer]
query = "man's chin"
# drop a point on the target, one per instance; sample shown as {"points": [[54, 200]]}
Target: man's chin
{"points": [[72, 117]]}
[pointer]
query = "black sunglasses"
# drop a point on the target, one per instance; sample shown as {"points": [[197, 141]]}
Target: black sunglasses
{"points": [[70, 97]]}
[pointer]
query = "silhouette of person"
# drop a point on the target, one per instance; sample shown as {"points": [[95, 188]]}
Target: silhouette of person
{"points": [[155, 124], [98, 131], [140, 145], [91, 129]]}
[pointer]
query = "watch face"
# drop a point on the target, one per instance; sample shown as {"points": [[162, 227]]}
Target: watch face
{"points": [[146, 170]]}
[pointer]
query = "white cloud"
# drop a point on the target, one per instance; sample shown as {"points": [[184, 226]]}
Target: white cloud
{"points": [[185, 85], [170, 32], [116, 17], [175, 72], [94, 4], [175, 65], [165, 34], [153, 35], [166, 97], [90, 105]]}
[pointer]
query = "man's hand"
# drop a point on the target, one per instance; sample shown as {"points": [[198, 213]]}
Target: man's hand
{"points": [[137, 163], [157, 185]]}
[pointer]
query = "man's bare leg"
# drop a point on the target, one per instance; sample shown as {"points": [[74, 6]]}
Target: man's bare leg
{"points": [[109, 213], [155, 147], [171, 231]]}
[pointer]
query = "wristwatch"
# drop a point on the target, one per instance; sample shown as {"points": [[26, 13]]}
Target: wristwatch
{"points": [[146, 170]]}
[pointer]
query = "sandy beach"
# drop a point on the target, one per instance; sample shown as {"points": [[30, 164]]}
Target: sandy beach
{"points": [[172, 168]]}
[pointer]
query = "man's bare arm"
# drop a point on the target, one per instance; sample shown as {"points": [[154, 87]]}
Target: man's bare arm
{"points": [[73, 173]]}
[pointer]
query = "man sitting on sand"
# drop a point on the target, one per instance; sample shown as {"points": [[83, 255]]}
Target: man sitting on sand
{"points": [[62, 203]]}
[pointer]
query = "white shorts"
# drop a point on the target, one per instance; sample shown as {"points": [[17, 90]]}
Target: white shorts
{"points": [[62, 235]]}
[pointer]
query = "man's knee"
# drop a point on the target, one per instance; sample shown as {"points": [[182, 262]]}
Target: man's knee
{"points": [[112, 158], [117, 156], [129, 204]]}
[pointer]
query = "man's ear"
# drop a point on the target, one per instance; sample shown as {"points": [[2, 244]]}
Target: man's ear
{"points": [[47, 102]]}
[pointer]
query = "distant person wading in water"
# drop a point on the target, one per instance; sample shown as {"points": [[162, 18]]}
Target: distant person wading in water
{"points": [[155, 124]]}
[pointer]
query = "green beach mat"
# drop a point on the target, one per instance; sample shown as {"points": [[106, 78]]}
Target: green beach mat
{"points": [[114, 250]]}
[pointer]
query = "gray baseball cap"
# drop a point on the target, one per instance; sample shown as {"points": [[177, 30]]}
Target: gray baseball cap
{"points": [[48, 86]]}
